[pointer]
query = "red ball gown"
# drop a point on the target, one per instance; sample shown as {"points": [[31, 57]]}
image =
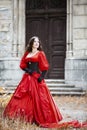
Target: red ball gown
{"points": [[32, 100]]}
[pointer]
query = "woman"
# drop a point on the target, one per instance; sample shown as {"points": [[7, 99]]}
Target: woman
{"points": [[32, 100]]}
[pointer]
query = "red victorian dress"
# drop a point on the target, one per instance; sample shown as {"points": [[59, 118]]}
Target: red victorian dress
{"points": [[32, 100]]}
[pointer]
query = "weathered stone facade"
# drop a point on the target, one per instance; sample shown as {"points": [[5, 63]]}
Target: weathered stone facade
{"points": [[12, 41], [76, 60]]}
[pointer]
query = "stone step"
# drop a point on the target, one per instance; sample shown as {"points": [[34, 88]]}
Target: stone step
{"points": [[53, 88], [55, 81], [55, 91], [66, 89], [58, 83], [56, 87], [62, 85], [52, 92], [68, 93], [10, 88]]}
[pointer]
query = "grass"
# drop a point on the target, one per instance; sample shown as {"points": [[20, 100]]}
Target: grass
{"points": [[7, 124]]}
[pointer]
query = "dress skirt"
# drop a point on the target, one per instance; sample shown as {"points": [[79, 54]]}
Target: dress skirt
{"points": [[33, 102]]}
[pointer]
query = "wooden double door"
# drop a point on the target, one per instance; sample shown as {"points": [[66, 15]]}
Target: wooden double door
{"points": [[48, 22]]}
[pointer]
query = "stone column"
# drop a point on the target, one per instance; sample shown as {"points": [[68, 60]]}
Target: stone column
{"points": [[69, 33], [18, 45], [15, 4], [21, 29]]}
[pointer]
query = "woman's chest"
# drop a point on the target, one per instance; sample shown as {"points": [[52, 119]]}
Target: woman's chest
{"points": [[34, 58]]}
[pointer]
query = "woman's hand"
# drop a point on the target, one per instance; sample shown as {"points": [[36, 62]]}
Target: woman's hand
{"points": [[42, 76]]}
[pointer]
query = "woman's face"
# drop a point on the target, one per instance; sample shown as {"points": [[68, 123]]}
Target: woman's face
{"points": [[36, 43]]}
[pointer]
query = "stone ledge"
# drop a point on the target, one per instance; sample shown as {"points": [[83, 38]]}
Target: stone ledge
{"points": [[9, 58]]}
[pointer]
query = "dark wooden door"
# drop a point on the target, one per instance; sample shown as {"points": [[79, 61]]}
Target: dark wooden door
{"points": [[48, 22]]}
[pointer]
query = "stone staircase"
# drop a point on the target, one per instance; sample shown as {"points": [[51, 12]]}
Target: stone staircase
{"points": [[59, 87], [56, 87]]}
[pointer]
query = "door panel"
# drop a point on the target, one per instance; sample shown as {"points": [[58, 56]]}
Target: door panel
{"points": [[37, 27], [50, 26], [57, 47]]}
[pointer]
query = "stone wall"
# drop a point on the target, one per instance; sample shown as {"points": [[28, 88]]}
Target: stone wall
{"points": [[12, 40], [76, 63], [5, 28], [80, 28]]}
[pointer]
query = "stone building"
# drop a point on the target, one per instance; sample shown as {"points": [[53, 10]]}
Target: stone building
{"points": [[62, 27]]}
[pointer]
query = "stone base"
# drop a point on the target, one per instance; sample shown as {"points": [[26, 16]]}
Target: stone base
{"points": [[10, 72], [76, 72]]}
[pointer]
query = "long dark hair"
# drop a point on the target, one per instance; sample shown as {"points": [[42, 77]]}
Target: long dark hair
{"points": [[30, 44]]}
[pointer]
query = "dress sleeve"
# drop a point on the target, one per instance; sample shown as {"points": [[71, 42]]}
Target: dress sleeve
{"points": [[23, 63], [43, 63]]}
